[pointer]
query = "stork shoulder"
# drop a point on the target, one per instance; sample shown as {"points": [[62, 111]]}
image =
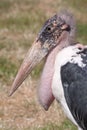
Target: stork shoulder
{"points": [[71, 54], [73, 60]]}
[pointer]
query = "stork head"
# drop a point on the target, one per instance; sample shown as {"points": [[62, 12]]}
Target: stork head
{"points": [[51, 35]]}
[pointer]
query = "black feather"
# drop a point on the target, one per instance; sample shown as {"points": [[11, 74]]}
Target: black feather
{"points": [[74, 81]]}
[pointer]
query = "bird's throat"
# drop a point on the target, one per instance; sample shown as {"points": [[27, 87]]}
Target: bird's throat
{"points": [[45, 90]]}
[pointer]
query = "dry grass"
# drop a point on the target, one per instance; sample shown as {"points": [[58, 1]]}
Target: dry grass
{"points": [[20, 21], [22, 112]]}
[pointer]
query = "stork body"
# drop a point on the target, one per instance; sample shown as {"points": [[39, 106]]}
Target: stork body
{"points": [[69, 84], [64, 76]]}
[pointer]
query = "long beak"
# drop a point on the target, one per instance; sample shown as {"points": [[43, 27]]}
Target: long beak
{"points": [[33, 57]]}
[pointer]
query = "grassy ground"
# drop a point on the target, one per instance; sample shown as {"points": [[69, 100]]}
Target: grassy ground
{"points": [[20, 22]]}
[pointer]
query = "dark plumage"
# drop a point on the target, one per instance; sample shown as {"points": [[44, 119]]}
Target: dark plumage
{"points": [[74, 80]]}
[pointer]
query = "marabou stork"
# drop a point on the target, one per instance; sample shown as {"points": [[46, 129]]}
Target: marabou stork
{"points": [[64, 76]]}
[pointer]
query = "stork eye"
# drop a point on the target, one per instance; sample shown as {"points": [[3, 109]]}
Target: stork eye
{"points": [[48, 29]]}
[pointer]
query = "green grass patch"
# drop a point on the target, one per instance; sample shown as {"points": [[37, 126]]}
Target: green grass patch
{"points": [[66, 125], [5, 5], [8, 45], [2, 46], [37, 71], [32, 21], [7, 69], [82, 32], [79, 5]]}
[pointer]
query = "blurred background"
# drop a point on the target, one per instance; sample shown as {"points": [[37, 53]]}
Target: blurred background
{"points": [[20, 22]]}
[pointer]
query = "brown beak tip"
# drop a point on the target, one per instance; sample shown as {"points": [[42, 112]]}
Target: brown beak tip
{"points": [[10, 93]]}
